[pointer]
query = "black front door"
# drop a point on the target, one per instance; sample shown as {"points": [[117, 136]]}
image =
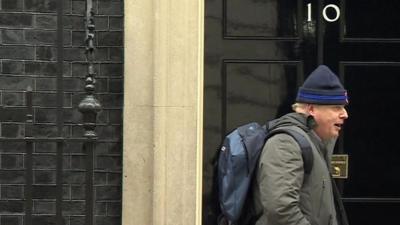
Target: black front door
{"points": [[257, 52]]}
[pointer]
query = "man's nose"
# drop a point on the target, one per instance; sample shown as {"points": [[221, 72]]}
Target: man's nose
{"points": [[344, 114]]}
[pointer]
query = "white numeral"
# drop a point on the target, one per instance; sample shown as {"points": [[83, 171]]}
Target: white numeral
{"points": [[335, 7], [309, 12]]}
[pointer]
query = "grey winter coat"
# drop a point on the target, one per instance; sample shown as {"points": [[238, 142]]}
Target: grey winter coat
{"points": [[283, 194]]}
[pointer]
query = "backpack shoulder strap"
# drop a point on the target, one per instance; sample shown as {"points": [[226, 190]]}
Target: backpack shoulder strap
{"points": [[305, 146]]}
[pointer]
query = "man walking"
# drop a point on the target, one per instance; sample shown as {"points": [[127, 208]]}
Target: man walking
{"points": [[282, 193]]}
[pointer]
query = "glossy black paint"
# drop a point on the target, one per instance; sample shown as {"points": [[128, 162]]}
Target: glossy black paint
{"points": [[257, 53], [370, 136]]}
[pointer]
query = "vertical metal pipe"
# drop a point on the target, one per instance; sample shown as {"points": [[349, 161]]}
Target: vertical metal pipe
{"points": [[59, 187], [89, 192], [89, 107], [60, 106], [28, 161], [60, 69]]}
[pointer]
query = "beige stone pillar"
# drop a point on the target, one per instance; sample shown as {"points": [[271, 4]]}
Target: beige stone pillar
{"points": [[162, 158]]}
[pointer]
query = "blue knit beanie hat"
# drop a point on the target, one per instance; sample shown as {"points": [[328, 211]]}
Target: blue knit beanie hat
{"points": [[322, 87]]}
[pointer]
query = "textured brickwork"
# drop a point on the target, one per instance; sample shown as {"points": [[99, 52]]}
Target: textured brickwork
{"points": [[28, 57]]}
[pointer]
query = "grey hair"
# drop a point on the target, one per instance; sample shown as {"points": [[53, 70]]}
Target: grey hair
{"points": [[300, 107]]}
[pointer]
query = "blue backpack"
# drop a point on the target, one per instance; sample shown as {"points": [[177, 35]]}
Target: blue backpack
{"points": [[236, 163]]}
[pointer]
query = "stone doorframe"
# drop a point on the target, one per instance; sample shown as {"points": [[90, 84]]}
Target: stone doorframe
{"points": [[163, 112]]}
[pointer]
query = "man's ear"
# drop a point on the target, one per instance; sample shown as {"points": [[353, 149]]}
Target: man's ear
{"points": [[311, 109]]}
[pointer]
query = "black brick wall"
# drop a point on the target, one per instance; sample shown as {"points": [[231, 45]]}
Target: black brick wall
{"points": [[28, 57]]}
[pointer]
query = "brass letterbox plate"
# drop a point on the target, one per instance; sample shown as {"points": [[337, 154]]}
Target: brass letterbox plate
{"points": [[340, 165]]}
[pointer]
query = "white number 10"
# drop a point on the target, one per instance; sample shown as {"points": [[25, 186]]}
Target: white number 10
{"points": [[335, 7]]}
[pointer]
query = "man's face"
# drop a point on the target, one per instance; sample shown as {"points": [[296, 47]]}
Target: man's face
{"points": [[329, 119]]}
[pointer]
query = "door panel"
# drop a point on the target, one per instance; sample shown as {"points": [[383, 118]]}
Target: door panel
{"points": [[372, 213], [265, 19], [370, 133], [257, 90], [371, 19]]}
